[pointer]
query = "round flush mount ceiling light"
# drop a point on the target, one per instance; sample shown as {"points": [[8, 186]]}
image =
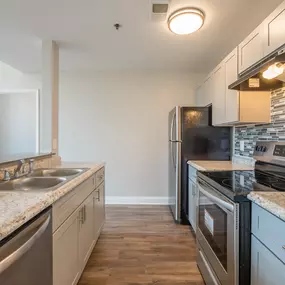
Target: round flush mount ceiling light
{"points": [[186, 21]]}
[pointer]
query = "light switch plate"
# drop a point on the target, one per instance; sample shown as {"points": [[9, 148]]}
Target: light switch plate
{"points": [[241, 145]]}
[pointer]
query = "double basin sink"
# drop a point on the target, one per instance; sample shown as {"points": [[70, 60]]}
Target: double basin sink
{"points": [[42, 179]]}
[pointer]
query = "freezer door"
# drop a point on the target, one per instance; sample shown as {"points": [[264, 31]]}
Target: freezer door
{"points": [[174, 124], [174, 183]]}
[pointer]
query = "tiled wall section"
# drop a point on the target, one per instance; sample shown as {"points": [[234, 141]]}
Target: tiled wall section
{"points": [[274, 131]]}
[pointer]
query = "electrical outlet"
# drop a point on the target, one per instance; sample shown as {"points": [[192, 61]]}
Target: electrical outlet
{"points": [[241, 145]]}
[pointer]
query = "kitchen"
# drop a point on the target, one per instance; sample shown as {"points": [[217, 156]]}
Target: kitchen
{"points": [[111, 103]]}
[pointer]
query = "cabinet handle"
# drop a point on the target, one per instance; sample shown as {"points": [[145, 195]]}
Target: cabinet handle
{"points": [[98, 195], [84, 212], [81, 218], [283, 246]]}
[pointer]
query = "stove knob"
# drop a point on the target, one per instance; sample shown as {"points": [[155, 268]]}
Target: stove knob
{"points": [[256, 148], [264, 149]]}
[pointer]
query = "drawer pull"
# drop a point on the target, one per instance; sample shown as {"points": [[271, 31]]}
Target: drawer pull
{"points": [[81, 216]]}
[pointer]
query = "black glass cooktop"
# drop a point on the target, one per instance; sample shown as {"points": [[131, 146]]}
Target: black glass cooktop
{"points": [[236, 185]]}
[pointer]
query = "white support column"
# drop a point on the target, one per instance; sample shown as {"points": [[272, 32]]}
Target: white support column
{"points": [[49, 97]]}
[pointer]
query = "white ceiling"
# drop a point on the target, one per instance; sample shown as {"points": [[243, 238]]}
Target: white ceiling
{"points": [[88, 41]]}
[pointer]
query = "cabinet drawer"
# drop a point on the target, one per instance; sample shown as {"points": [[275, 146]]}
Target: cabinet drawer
{"points": [[64, 207], [270, 230], [100, 176]]}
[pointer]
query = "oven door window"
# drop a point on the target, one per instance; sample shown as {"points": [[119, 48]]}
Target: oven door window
{"points": [[213, 225]]}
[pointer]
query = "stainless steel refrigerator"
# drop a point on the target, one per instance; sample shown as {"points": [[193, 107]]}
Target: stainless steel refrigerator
{"points": [[191, 137]]}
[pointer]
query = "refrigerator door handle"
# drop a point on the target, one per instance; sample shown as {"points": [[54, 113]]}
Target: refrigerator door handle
{"points": [[173, 157], [172, 124]]}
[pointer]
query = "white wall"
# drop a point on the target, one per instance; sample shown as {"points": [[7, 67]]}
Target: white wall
{"points": [[11, 78], [122, 119], [19, 118]]}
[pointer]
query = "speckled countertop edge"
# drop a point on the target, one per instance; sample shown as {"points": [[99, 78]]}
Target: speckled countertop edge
{"points": [[225, 165], [17, 208], [273, 202]]}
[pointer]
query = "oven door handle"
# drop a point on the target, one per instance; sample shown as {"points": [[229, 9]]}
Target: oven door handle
{"points": [[216, 199], [25, 247]]}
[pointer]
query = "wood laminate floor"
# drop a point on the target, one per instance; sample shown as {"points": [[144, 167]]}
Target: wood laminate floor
{"points": [[140, 245]]}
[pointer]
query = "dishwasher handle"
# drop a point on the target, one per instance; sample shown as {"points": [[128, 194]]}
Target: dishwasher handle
{"points": [[24, 247]]}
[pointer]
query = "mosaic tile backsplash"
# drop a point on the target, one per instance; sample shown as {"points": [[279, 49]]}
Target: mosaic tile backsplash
{"points": [[275, 131]]}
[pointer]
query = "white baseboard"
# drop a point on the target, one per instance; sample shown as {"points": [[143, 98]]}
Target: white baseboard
{"points": [[117, 200]]}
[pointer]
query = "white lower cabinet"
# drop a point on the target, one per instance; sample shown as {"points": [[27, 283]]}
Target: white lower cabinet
{"points": [[65, 252], [86, 231], [266, 268], [192, 204], [75, 238], [192, 197], [99, 209]]}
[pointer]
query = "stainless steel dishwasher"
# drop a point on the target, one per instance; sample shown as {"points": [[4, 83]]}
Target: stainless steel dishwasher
{"points": [[26, 255]]}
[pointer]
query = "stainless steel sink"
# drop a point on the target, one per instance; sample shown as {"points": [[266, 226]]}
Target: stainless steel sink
{"points": [[57, 172], [32, 184]]}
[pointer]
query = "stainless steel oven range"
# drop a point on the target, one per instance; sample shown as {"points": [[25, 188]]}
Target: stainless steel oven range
{"points": [[224, 215]]}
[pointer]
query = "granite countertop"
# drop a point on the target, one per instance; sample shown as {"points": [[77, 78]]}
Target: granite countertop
{"points": [[16, 208], [273, 202], [208, 165]]}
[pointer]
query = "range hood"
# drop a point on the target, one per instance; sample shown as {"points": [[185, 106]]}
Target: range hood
{"points": [[252, 79]]}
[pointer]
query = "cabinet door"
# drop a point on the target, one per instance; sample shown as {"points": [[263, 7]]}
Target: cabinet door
{"points": [[232, 96], [219, 93], [102, 204], [274, 30], [86, 237], [190, 200], [266, 268], [192, 203], [199, 96], [99, 210], [251, 49], [66, 268], [207, 91], [96, 212]]}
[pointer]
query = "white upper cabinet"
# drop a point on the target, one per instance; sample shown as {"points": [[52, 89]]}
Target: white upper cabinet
{"points": [[231, 107], [232, 96], [274, 30], [199, 96], [208, 91], [219, 93], [204, 93], [251, 49]]}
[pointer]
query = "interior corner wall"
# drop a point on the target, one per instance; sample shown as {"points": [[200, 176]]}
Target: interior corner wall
{"points": [[122, 119], [11, 78]]}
